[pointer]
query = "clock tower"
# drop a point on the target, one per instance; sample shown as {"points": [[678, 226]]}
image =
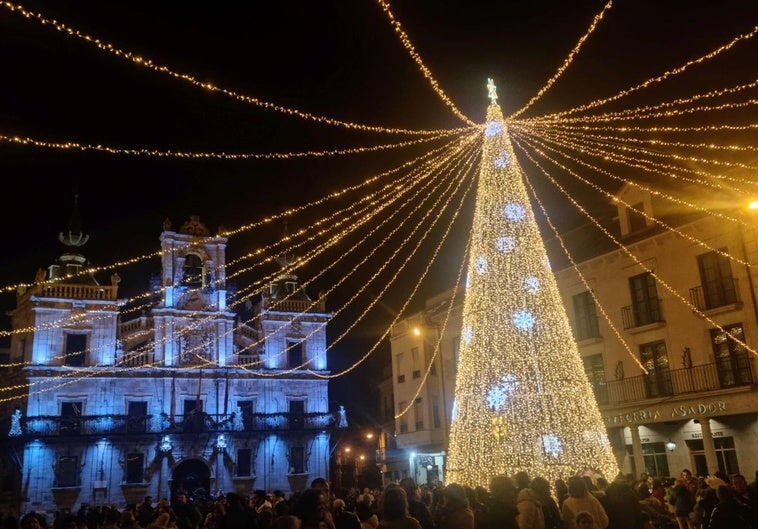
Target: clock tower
{"points": [[194, 324]]}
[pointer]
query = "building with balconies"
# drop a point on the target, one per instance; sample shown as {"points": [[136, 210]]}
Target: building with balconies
{"points": [[108, 403], [666, 324]]}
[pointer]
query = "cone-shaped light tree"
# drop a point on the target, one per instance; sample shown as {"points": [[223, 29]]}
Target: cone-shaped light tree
{"points": [[522, 399]]}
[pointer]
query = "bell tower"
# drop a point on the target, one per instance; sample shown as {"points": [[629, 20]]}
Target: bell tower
{"points": [[193, 322]]}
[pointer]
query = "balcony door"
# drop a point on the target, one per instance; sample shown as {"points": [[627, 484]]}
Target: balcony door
{"points": [[732, 360], [646, 307], [657, 370], [716, 278]]}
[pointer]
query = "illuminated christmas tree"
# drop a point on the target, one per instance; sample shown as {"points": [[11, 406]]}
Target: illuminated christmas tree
{"points": [[522, 399]]}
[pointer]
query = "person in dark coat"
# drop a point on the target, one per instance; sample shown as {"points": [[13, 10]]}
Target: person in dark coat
{"points": [[501, 504], [550, 510], [416, 508], [728, 512], [622, 506], [344, 519]]}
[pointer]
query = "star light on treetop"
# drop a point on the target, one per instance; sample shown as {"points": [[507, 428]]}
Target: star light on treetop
{"points": [[492, 89]]}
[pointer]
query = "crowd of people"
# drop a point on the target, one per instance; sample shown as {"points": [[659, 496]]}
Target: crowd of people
{"points": [[511, 502]]}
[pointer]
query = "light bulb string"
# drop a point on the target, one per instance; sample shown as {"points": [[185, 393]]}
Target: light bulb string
{"points": [[632, 256], [655, 80], [139, 60], [566, 63]]}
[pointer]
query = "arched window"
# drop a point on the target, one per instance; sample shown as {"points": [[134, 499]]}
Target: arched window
{"points": [[193, 271]]}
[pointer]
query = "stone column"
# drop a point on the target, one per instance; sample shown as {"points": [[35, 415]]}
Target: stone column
{"points": [[639, 458], [710, 451]]}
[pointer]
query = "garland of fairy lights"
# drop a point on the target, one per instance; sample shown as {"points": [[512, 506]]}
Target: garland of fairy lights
{"points": [[205, 363], [557, 123], [436, 352], [600, 149], [566, 62], [646, 110], [262, 222], [387, 204], [654, 80], [407, 302], [417, 58], [148, 63], [639, 263], [615, 116], [534, 195], [648, 189], [715, 181], [711, 180], [641, 212], [697, 128], [71, 145]]}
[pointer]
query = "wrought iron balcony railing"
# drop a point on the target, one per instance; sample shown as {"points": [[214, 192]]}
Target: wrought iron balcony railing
{"points": [[86, 425], [713, 297], [633, 316], [705, 377]]}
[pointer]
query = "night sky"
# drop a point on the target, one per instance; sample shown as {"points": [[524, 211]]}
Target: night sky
{"points": [[334, 58]]}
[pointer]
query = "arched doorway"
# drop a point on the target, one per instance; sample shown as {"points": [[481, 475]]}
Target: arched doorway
{"points": [[193, 477]]}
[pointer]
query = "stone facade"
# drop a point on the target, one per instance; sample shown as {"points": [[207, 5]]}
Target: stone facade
{"points": [[176, 389]]}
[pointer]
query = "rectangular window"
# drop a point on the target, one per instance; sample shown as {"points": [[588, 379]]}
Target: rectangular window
{"points": [[244, 462], [71, 418], [646, 306], [295, 357], [247, 408], [657, 370], [718, 285], [297, 414], [136, 416], [135, 468], [67, 472], [76, 347], [436, 411], [193, 419], [403, 417], [726, 455], [297, 460], [585, 316], [593, 366], [415, 362], [400, 365], [656, 459], [418, 412], [428, 354], [732, 358]]}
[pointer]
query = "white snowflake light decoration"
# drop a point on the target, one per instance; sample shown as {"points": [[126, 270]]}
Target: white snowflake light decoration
{"points": [[481, 266], [524, 320], [503, 160], [498, 395], [467, 334], [514, 211], [552, 445], [505, 244], [493, 128], [531, 285]]}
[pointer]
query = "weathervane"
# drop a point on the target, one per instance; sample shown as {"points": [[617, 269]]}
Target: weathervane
{"points": [[492, 90]]}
